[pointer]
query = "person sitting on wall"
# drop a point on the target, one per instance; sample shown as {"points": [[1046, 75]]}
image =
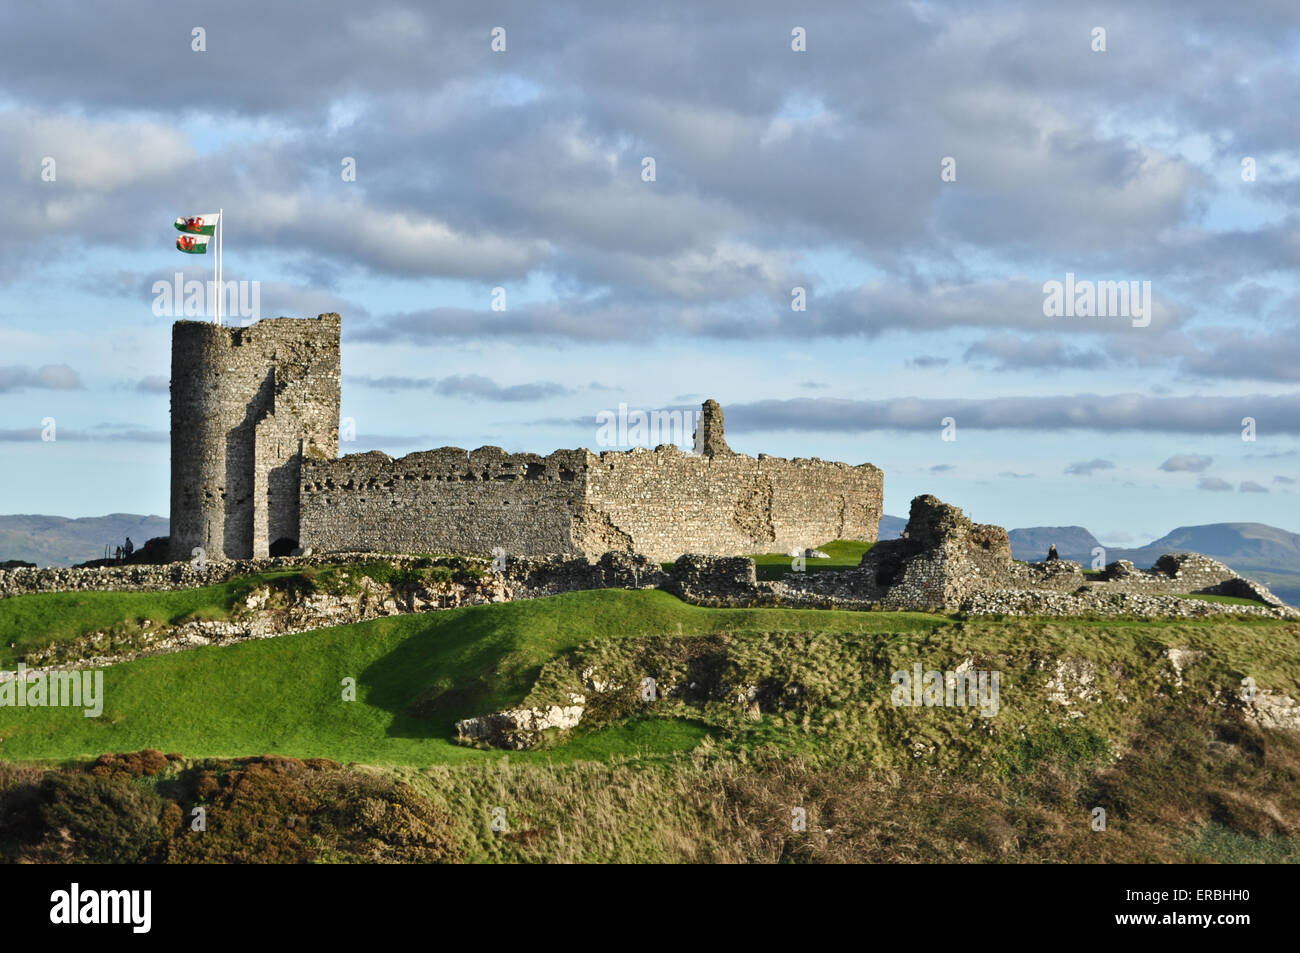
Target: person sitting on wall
{"points": [[1051, 553]]}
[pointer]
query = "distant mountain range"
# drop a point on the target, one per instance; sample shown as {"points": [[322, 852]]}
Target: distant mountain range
{"points": [[59, 541], [1264, 553], [892, 526], [1072, 542]]}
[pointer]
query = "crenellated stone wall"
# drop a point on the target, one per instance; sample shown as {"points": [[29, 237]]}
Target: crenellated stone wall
{"points": [[666, 502], [661, 503], [444, 501]]}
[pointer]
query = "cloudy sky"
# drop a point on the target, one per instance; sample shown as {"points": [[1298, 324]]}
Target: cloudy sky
{"points": [[1170, 158]]}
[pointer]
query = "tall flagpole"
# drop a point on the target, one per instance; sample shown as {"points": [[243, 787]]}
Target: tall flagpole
{"points": [[216, 318], [221, 233]]}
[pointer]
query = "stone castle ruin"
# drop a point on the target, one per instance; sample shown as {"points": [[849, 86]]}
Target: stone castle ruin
{"points": [[256, 471], [946, 562]]}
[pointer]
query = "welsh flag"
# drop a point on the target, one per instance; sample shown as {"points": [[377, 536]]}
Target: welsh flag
{"points": [[198, 224], [193, 244]]}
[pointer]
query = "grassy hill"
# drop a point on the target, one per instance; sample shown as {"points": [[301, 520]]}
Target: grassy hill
{"points": [[774, 708], [284, 695], [417, 674]]}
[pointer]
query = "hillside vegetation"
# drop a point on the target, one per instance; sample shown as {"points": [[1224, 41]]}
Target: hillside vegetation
{"points": [[762, 711]]}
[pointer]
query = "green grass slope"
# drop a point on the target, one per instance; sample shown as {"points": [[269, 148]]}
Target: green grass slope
{"points": [[1183, 777], [35, 621], [415, 676]]}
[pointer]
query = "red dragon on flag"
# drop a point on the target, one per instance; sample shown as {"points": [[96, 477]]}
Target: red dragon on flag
{"points": [[198, 224]]}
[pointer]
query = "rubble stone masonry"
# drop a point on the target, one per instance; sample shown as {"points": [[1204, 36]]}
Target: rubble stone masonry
{"points": [[662, 503], [255, 417], [247, 405]]}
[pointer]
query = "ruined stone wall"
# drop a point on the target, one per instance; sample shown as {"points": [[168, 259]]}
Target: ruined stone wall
{"points": [[666, 502], [1172, 573], [444, 501], [941, 559], [945, 561], [661, 503], [246, 404], [519, 577], [1059, 575]]}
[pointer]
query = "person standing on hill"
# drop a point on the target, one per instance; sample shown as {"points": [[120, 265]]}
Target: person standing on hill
{"points": [[1051, 553], [129, 548]]}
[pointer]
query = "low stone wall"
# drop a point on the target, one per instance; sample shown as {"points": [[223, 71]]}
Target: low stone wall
{"points": [[1026, 602], [269, 610], [944, 563], [1058, 575], [718, 581], [529, 576], [132, 578]]}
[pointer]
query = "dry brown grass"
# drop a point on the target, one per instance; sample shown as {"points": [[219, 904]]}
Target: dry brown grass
{"points": [[1186, 772]]}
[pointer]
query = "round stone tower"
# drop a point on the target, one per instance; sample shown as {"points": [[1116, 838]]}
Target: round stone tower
{"points": [[247, 403]]}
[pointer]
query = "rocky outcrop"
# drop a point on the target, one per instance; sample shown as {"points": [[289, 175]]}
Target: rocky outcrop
{"points": [[520, 728], [1274, 710]]}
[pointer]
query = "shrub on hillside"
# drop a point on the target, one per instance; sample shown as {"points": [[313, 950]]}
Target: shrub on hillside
{"points": [[275, 809], [98, 819], [270, 809], [136, 764]]}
